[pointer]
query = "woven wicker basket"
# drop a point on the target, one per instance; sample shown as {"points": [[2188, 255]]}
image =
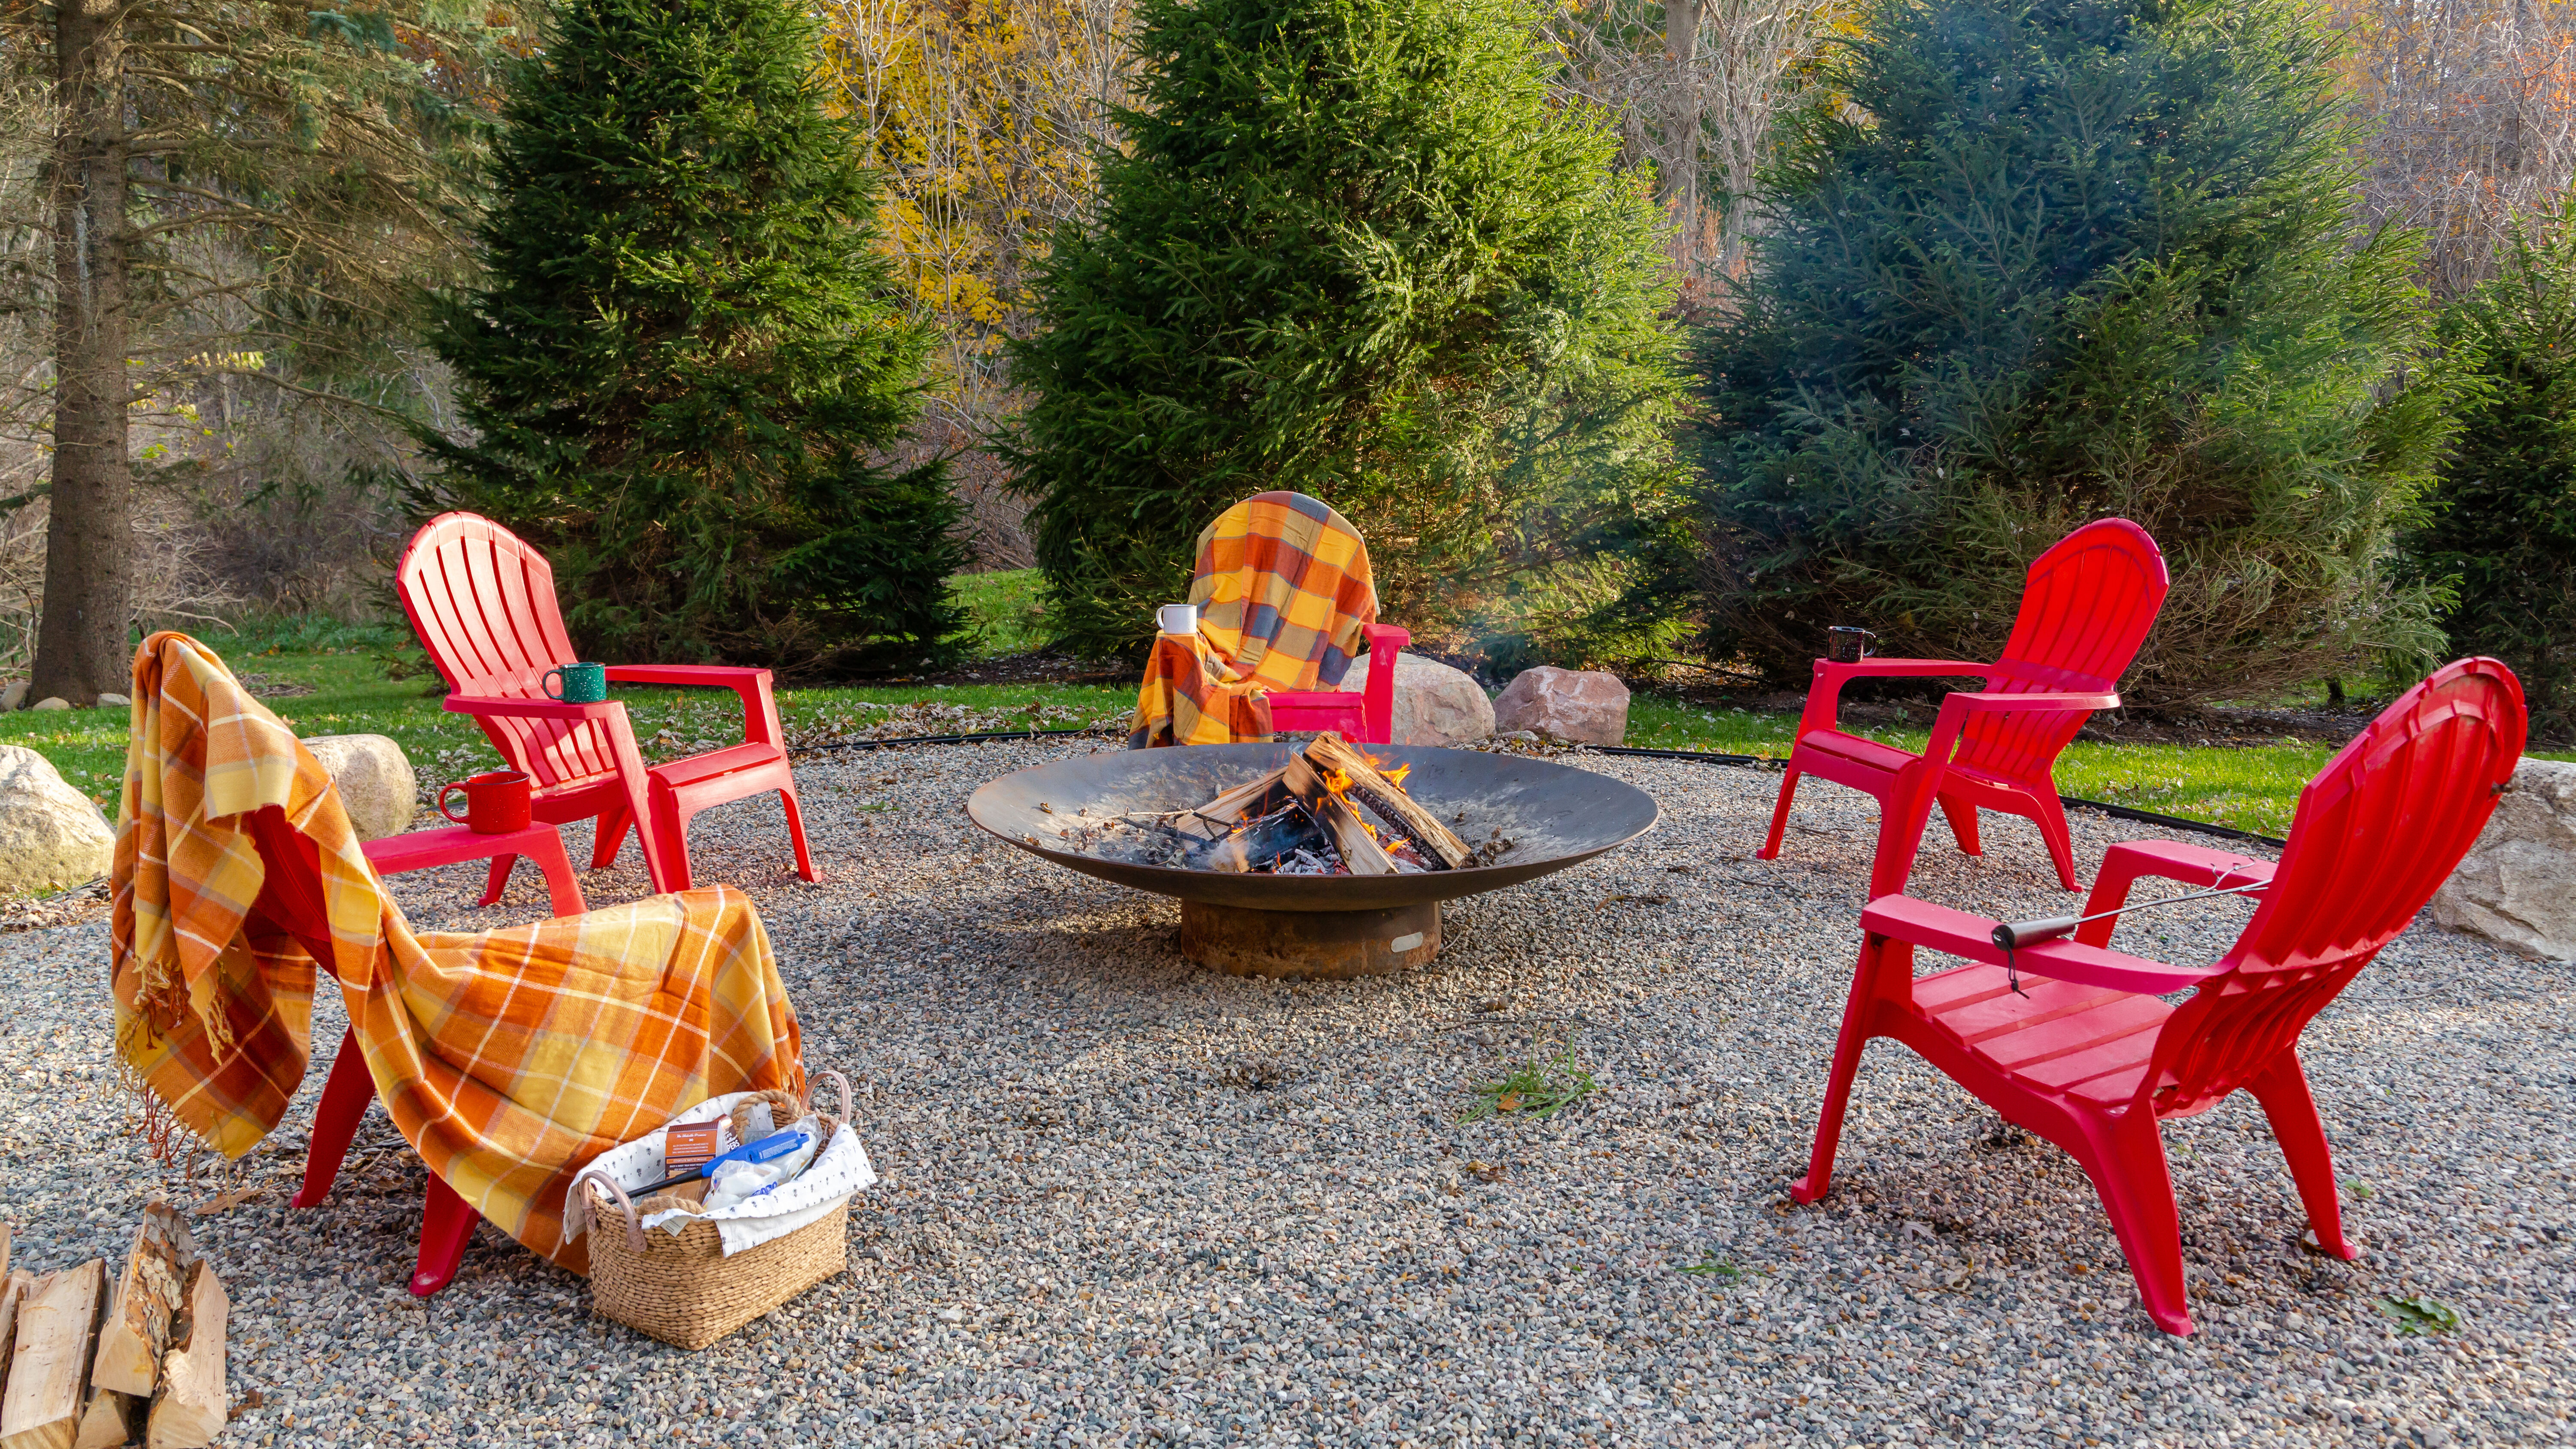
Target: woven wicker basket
{"points": [[680, 1287]]}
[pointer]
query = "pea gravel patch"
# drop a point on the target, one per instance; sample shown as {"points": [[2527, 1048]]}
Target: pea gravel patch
{"points": [[1127, 1200]]}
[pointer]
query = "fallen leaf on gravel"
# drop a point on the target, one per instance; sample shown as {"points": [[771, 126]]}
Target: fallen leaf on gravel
{"points": [[227, 1200]]}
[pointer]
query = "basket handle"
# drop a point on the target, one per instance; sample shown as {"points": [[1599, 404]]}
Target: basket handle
{"points": [[634, 1228], [844, 1084]]}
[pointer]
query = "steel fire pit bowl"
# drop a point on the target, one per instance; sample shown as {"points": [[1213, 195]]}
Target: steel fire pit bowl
{"points": [[1319, 925]]}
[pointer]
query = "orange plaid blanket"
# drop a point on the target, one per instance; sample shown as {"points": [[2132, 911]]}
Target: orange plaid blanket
{"points": [[1283, 589], [509, 1059]]}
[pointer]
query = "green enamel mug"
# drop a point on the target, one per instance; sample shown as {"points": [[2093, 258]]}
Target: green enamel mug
{"points": [[577, 683]]}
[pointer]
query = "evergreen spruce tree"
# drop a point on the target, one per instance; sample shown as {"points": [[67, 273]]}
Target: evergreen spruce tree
{"points": [[1357, 249], [684, 368], [2075, 259], [2501, 537]]}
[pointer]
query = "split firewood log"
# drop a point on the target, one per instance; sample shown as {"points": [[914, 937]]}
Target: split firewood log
{"points": [[189, 1411], [12, 1294], [109, 1421], [1361, 855], [137, 1332], [1437, 845], [49, 1368]]}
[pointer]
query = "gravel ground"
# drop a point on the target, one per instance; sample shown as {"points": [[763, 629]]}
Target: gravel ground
{"points": [[1127, 1199]]}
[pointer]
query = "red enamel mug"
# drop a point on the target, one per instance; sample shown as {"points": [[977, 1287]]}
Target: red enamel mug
{"points": [[496, 802]]}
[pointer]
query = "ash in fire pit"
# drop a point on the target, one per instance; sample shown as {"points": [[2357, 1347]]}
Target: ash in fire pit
{"points": [[1310, 816]]}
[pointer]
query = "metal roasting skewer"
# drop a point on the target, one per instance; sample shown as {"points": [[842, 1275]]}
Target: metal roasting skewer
{"points": [[2012, 935]]}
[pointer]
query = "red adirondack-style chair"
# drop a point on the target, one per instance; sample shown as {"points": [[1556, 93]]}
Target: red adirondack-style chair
{"points": [[2085, 1055], [483, 603], [2084, 611], [290, 901]]}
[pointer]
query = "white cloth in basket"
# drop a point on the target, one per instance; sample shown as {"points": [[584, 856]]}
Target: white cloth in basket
{"points": [[838, 1171]]}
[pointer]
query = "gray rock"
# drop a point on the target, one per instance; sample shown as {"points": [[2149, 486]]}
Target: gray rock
{"points": [[51, 837], [2518, 884], [375, 780], [113, 701], [1434, 704], [53, 701], [13, 695], [1583, 707]]}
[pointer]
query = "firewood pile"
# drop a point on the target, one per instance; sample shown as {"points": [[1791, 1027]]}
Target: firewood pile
{"points": [[90, 1361], [1329, 811]]}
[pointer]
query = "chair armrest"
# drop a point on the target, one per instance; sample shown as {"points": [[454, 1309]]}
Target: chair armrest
{"points": [[1824, 696], [1993, 703], [552, 709], [701, 676], [1377, 704], [1959, 933], [760, 725]]}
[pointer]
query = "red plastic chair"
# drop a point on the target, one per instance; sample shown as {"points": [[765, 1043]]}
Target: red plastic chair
{"points": [[290, 901], [2087, 1057], [483, 603], [2085, 610], [1364, 716]]}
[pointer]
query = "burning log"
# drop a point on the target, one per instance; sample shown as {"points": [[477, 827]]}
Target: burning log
{"points": [[1359, 849], [1433, 841]]}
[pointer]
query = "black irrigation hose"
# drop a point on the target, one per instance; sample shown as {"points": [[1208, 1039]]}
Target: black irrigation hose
{"points": [[975, 739], [1758, 762]]}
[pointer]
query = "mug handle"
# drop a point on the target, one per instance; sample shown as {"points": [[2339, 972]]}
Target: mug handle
{"points": [[442, 802], [555, 678]]}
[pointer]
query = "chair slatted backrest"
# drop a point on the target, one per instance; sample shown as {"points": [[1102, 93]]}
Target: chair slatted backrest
{"points": [[2086, 606], [2376, 833], [483, 603]]}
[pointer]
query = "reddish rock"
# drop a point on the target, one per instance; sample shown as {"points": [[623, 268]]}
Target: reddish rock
{"points": [[1583, 707]]}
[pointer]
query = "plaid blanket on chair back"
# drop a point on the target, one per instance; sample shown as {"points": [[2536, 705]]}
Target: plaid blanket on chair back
{"points": [[1283, 588], [509, 1059]]}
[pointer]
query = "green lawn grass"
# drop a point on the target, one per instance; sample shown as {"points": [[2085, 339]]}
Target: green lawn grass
{"points": [[352, 672]]}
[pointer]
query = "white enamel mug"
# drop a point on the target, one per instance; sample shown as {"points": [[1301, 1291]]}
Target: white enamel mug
{"points": [[1178, 618]]}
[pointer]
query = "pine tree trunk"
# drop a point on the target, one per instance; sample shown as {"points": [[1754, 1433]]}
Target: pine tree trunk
{"points": [[81, 642]]}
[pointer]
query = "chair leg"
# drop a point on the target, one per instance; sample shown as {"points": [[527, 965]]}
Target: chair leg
{"points": [[1779, 816], [664, 833], [2282, 1088], [335, 1122], [796, 833], [496, 880], [1902, 814], [2050, 816], [1962, 816], [2129, 1172], [563, 893], [1858, 1012], [610, 833], [446, 1226], [2111, 884]]}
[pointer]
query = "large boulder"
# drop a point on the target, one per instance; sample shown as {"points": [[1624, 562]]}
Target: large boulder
{"points": [[1578, 706], [375, 781], [51, 837], [2518, 884], [1434, 704]]}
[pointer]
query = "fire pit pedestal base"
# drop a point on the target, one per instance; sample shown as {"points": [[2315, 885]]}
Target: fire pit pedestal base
{"points": [[1321, 945]]}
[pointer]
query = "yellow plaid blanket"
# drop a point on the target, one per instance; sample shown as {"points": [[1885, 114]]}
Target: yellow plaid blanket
{"points": [[509, 1059], [1283, 588]]}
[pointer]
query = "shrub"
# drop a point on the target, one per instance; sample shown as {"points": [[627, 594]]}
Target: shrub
{"points": [[684, 366], [2502, 531], [1359, 250], [2071, 259]]}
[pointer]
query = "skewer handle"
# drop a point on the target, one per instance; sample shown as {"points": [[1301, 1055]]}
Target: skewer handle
{"points": [[2013, 935]]}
